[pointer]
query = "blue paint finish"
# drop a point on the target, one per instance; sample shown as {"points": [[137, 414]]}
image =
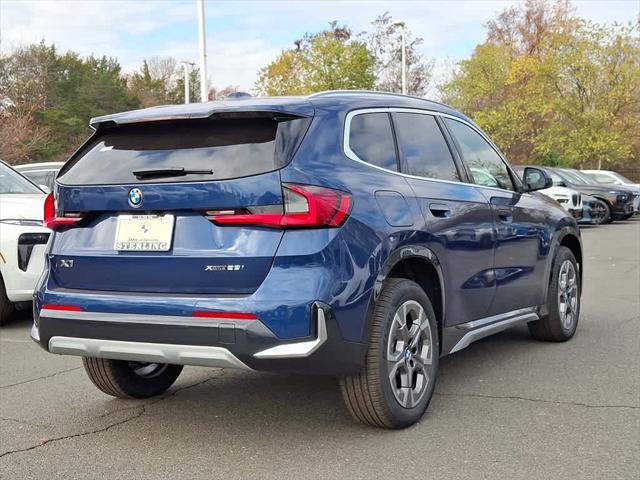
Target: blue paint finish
{"points": [[262, 189], [394, 208], [487, 264]]}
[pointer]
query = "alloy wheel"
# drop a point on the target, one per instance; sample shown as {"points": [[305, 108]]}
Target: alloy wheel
{"points": [[409, 354], [567, 294]]}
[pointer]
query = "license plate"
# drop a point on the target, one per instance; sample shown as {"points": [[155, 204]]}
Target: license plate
{"points": [[144, 233]]}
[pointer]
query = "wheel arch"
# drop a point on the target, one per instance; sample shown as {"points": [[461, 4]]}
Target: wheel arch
{"points": [[572, 242], [421, 265]]}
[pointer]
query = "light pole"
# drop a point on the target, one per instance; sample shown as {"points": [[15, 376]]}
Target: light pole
{"points": [[204, 88], [404, 56], [186, 66]]}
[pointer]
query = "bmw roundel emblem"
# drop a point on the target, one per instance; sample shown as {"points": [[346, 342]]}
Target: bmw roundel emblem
{"points": [[135, 197]]}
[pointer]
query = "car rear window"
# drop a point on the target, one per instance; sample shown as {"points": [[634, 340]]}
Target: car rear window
{"points": [[371, 139], [230, 147]]}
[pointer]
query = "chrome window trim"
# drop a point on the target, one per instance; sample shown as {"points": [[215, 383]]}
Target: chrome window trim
{"points": [[353, 156]]}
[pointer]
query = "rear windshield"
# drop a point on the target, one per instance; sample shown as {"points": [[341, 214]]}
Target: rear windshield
{"points": [[229, 147]]}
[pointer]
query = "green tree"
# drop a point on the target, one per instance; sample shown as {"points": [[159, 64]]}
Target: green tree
{"points": [[57, 95], [160, 81], [329, 60], [549, 87]]}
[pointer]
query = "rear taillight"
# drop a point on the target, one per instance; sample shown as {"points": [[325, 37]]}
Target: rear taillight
{"points": [[305, 206], [54, 222]]}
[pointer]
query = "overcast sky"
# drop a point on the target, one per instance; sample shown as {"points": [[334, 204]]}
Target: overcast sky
{"points": [[242, 36]]}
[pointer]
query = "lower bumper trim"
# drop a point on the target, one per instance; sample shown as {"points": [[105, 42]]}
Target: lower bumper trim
{"points": [[298, 349], [201, 356]]}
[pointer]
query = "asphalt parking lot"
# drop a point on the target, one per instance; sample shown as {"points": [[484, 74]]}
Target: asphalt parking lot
{"points": [[506, 407]]}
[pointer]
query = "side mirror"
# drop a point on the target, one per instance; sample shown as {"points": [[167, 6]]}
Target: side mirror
{"points": [[44, 188], [536, 179]]}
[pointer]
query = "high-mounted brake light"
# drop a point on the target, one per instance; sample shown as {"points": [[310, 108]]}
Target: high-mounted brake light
{"points": [[305, 206], [54, 222]]}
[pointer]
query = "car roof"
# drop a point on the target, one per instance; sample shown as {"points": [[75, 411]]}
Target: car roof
{"points": [[301, 105], [38, 166]]}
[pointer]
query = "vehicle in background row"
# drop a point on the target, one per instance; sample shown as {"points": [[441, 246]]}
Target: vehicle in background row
{"points": [[617, 203], [22, 240], [570, 199], [44, 173], [607, 177], [343, 233], [622, 209]]}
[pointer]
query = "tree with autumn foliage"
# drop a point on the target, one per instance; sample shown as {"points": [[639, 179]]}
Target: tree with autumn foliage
{"points": [[329, 60], [552, 88]]}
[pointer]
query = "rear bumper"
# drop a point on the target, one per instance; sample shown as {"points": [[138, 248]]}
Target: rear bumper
{"points": [[245, 344]]}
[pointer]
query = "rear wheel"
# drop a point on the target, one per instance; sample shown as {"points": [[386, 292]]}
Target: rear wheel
{"points": [[563, 302], [6, 307], [397, 382], [124, 379]]}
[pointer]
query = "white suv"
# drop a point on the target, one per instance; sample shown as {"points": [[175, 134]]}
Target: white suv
{"points": [[22, 239]]}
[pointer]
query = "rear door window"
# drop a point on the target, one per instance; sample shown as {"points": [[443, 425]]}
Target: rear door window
{"points": [[230, 147], [371, 139], [423, 147]]}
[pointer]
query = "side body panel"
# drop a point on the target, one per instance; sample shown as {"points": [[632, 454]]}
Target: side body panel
{"points": [[458, 228]]}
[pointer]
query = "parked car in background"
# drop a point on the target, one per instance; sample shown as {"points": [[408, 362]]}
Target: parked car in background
{"points": [[618, 202], [41, 173], [570, 199], [342, 233], [22, 240], [621, 210], [607, 177]]}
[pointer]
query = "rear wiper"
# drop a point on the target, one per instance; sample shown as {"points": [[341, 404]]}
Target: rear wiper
{"points": [[169, 172]]}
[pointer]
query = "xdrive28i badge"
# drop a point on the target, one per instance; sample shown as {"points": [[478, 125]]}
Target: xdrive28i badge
{"points": [[135, 197]]}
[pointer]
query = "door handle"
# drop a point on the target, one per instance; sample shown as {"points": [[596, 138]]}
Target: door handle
{"points": [[505, 215], [440, 210]]}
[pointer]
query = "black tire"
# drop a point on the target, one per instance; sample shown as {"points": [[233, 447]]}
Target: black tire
{"points": [[553, 328], [6, 307], [607, 213], [118, 378], [369, 395]]}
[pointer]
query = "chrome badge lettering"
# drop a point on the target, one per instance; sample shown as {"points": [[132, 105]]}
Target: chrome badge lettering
{"points": [[223, 268], [65, 263]]}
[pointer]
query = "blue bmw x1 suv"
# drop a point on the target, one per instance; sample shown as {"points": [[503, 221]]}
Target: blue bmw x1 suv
{"points": [[356, 234]]}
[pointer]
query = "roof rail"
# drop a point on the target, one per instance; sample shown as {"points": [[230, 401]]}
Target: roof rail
{"points": [[374, 92]]}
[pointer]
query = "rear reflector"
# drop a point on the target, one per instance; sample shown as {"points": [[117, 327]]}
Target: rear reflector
{"points": [[305, 206], [225, 315], [54, 222], [65, 308]]}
